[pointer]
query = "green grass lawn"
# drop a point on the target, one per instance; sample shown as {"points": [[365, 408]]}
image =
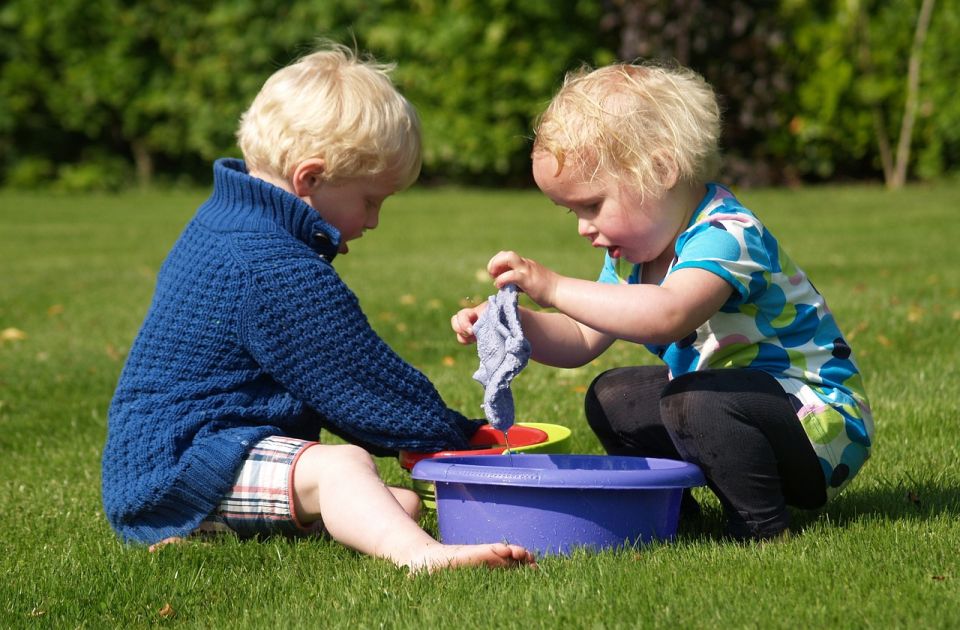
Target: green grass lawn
{"points": [[76, 276]]}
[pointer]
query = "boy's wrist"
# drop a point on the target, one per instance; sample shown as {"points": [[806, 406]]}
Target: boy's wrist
{"points": [[467, 427]]}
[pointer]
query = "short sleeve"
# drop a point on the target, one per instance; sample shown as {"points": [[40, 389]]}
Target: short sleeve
{"points": [[618, 271], [731, 246]]}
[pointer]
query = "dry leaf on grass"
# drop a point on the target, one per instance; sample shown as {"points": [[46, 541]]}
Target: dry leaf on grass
{"points": [[12, 334]]}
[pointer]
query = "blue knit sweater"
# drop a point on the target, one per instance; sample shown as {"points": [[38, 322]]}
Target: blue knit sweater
{"points": [[251, 333]]}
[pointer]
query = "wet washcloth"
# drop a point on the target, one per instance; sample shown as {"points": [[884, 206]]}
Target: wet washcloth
{"points": [[503, 352]]}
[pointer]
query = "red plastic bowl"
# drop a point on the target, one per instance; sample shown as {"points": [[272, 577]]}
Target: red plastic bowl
{"points": [[487, 440]]}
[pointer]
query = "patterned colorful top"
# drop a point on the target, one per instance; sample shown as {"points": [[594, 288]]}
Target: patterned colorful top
{"points": [[775, 321]]}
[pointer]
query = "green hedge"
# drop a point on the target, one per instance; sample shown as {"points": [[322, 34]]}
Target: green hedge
{"points": [[102, 93]]}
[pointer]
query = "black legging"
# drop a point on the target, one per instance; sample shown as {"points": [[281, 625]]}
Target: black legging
{"points": [[737, 425]]}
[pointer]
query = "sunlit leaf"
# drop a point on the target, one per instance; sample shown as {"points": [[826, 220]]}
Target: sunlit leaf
{"points": [[12, 334], [856, 330]]}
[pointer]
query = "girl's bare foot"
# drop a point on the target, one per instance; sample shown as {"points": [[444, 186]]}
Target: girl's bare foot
{"points": [[495, 556]]}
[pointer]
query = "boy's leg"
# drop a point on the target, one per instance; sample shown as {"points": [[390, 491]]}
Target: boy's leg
{"points": [[740, 428], [408, 500], [340, 485]]}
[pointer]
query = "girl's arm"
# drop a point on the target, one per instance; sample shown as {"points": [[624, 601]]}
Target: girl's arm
{"points": [[555, 339], [642, 313], [561, 341]]}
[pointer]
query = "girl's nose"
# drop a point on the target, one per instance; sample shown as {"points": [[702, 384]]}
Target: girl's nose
{"points": [[584, 227]]}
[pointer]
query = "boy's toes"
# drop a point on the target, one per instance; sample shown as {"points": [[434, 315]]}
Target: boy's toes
{"points": [[514, 554], [157, 546]]}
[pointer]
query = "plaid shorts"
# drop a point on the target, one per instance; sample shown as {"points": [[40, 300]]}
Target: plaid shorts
{"points": [[261, 500]]}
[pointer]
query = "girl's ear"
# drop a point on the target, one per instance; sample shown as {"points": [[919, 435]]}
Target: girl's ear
{"points": [[308, 176], [667, 171]]}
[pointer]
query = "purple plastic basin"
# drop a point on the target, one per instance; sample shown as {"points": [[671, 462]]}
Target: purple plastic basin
{"points": [[552, 504]]}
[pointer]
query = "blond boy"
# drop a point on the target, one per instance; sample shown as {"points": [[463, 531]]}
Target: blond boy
{"points": [[253, 343]]}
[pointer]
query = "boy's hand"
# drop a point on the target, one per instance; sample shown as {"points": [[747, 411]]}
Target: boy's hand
{"points": [[537, 281], [462, 323]]}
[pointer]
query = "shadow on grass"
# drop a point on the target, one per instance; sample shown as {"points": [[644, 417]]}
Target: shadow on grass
{"points": [[900, 501], [912, 500]]}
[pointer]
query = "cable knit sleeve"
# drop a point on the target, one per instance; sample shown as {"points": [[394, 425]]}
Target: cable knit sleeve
{"points": [[306, 328]]}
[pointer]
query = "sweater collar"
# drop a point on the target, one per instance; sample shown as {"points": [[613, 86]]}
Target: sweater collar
{"points": [[240, 201]]}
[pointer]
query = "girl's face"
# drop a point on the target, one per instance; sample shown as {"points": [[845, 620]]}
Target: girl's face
{"points": [[610, 214]]}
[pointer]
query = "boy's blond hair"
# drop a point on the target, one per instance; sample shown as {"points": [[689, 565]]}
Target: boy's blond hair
{"points": [[332, 105], [638, 123]]}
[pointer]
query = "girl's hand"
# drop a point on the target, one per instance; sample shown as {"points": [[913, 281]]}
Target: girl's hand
{"points": [[462, 323], [537, 281]]}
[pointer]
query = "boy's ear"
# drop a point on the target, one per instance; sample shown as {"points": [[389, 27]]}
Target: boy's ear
{"points": [[308, 176]]}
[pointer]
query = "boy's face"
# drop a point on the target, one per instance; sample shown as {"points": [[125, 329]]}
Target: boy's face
{"points": [[611, 214], [352, 206]]}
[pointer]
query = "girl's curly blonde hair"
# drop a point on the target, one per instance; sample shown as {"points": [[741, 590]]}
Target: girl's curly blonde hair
{"points": [[332, 105], [649, 125]]}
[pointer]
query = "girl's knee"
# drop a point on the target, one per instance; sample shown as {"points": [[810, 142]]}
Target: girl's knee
{"points": [[592, 407], [601, 398]]}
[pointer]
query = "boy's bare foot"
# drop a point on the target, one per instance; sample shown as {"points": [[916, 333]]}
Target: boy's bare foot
{"points": [[495, 556], [157, 546]]}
